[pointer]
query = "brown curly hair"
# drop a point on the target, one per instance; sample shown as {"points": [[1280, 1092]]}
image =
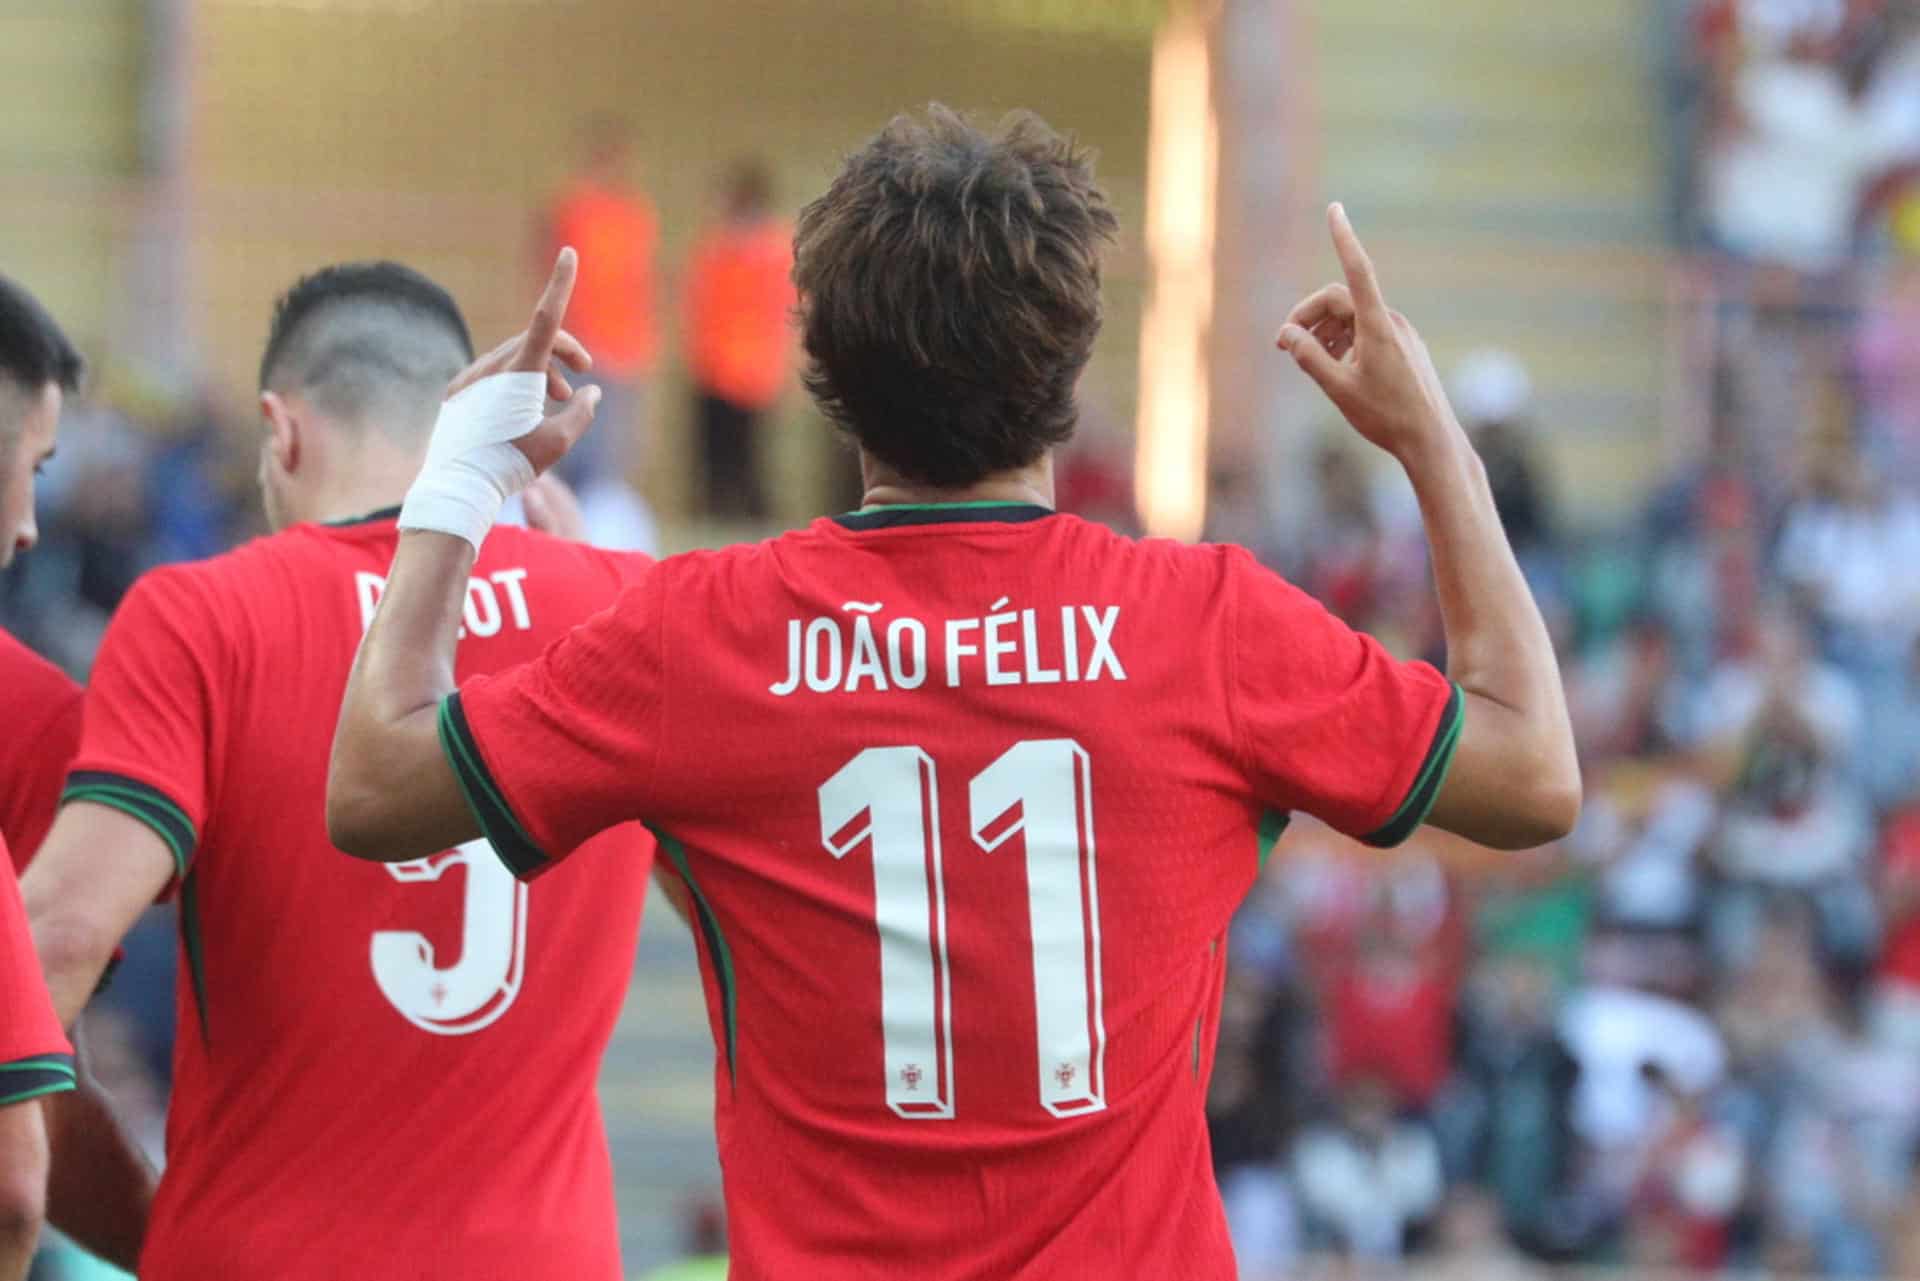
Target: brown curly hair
{"points": [[949, 285]]}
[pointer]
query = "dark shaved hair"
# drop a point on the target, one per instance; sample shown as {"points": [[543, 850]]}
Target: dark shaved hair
{"points": [[949, 286], [370, 343], [33, 351]]}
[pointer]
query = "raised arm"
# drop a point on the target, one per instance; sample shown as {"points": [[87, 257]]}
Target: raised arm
{"points": [[1514, 780], [391, 793]]}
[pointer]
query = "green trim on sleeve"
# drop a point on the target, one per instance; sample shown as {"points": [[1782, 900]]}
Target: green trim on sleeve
{"points": [[170, 823], [139, 800], [523, 857], [716, 942], [1419, 800], [30, 1078], [1273, 825]]}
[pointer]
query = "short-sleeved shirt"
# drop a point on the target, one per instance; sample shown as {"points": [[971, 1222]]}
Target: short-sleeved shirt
{"points": [[383, 1070], [965, 797], [40, 710], [35, 1056]]}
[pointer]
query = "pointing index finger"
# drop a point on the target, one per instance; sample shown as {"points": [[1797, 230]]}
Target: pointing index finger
{"points": [[548, 314], [1356, 264]]}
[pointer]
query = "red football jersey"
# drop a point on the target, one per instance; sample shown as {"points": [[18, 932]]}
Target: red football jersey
{"points": [[40, 708], [382, 1071], [965, 796], [35, 1057]]}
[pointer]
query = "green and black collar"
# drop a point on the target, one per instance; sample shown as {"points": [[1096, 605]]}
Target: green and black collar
{"points": [[369, 518], [975, 513]]}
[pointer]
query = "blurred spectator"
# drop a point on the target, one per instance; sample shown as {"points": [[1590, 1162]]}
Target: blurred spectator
{"points": [[1649, 886], [740, 341], [1368, 1177], [1259, 1079], [1802, 131], [1390, 1014], [1505, 1116], [1796, 830], [1843, 1149], [1633, 1050], [1848, 547], [1771, 666], [1626, 698], [1493, 396], [1691, 1182], [613, 226], [1361, 553]]}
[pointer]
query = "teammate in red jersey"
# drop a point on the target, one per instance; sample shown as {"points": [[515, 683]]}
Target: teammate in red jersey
{"points": [[381, 1072], [96, 1179], [965, 790]]}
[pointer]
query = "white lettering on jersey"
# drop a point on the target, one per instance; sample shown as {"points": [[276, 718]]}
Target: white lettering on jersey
{"points": [[1005, 646], [483, 613]]}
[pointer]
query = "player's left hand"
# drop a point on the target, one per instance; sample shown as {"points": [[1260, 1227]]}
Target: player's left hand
{"points": [[545, 346]]}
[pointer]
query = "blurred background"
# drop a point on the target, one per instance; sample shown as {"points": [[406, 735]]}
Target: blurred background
{"points": [[1667, 253]]}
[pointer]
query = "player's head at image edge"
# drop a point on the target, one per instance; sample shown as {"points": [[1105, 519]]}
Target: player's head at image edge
{"points": [[949, 285], [38, 368], [357, 359]]}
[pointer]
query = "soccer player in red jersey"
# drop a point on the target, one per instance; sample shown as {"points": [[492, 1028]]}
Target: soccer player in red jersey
{"points": [[381, 1072], [965, 791], [96, 1180]]}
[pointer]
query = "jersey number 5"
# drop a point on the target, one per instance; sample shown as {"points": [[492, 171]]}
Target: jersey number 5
{"points": [[1041, 788], [476, 989]]}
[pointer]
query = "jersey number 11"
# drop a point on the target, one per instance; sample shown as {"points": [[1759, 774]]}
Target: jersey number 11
{"points": [[1042, 788]]}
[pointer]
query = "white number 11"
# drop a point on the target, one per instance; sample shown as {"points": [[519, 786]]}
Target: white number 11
{"points": [[889, 797]]}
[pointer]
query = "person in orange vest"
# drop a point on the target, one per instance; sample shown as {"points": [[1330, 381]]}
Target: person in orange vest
{"points": [[615, 229], [739, 316]]}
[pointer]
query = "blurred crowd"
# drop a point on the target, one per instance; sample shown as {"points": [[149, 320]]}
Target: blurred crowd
{"points": [[1688, 1037]]}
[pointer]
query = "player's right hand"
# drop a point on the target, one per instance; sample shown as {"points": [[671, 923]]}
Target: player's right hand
{"points": [[1367, 357], [545, 345]]}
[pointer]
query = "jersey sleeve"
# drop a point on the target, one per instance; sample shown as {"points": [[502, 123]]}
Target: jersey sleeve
{"points": [[556, 750], [146, 732], [35, 1057], [1330, 723], [40, 708]]}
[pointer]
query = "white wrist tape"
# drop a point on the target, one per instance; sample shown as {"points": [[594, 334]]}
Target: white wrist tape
{"points": [[472, 465]]}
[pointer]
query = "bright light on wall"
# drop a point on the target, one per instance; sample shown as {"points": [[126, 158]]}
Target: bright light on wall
{"points": [[1170, 470]]}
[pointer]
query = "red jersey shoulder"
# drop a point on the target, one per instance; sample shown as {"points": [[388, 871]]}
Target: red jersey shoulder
{"points": [[41, 708]]}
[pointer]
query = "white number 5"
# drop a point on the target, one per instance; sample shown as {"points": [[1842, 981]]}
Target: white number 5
{"points": [[477, 989]]}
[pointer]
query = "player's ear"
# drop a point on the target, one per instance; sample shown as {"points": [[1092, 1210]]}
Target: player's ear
{"points": [[283, 430]]}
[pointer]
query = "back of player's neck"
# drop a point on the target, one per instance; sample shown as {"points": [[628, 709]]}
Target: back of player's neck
{"points": [[1029, 487], [351, 502]]}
